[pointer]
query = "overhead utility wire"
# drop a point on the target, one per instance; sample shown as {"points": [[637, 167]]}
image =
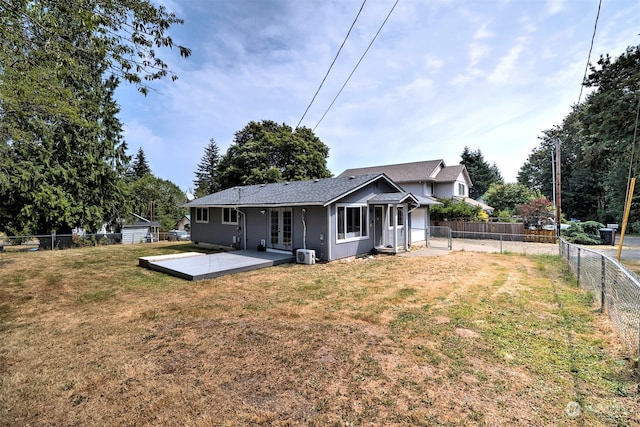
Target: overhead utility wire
{"points": [[356, 67], [331, 66], [593, 36]]}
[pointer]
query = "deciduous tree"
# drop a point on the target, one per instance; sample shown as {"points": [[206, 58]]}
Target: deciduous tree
{"points": [[503, 197], [268, 152], [158, 199]]}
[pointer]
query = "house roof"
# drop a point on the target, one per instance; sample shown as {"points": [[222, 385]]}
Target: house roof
{"points": [[428, 200], [428, 170], [311, 192], [451, 173], [404, 172], [142, 224], [472, 202], [402, 197]]}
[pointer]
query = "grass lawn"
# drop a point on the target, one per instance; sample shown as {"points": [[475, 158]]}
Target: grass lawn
{"points": [[89, 338]]}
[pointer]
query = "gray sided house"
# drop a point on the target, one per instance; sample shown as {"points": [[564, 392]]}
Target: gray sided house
{"points": [[335, 217], [427, 180]]}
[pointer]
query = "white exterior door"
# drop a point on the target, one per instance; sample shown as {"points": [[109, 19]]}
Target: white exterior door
{"points": [[281, 228]]}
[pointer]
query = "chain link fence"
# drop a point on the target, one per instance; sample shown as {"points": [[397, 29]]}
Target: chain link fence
{"points": [[56, 241], [615, 289]]}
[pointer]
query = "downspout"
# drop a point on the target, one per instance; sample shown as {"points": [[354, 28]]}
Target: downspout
{"points": [[244, 228], [304, 230], [329, 237], [395, 229], [407, 227]]}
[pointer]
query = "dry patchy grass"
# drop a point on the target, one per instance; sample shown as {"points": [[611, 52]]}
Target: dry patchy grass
{"points": [[89, 338]]}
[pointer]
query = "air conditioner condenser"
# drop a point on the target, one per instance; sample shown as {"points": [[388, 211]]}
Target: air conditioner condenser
{"points": [[306, 256]]}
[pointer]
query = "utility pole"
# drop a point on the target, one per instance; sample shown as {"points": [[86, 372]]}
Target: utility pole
{"points": [[557, 188]]}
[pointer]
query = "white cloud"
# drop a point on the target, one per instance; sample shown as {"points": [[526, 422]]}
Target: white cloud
{"points": [[507, 69], [555, 6], [482, 33], [442, 74]]}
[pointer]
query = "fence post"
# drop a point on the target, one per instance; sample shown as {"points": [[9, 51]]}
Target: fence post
{"points": [[578, 269], [450, 240], [500, 243], [53, 239], [602, 284]]}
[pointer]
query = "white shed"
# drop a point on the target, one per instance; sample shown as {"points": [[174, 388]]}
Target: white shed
{"points": [[140, 232]]}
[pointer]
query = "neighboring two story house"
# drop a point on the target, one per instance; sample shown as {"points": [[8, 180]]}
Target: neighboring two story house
{"points": [[427, 180]]}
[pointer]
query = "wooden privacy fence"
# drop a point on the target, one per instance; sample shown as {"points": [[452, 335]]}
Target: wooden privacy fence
{"points": [[540, 236], [508, 231], [484, 230]]}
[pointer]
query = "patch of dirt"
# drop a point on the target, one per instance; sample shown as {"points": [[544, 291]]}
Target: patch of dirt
{"points": [[467, 333]]}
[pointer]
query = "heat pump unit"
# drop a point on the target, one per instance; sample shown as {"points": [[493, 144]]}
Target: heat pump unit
{"points": [[306, 256]]}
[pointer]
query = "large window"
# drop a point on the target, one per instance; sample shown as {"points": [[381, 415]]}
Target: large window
{"points": [[352, 222], [202, 214], [461, 189], [229, 216]]}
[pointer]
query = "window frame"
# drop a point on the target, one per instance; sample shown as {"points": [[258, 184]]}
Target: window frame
{"points": [[362, 215], [461, 189], [202, 215], [400, 216], [227, 216]]}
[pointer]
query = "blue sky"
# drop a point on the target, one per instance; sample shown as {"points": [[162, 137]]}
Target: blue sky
{"points": [[442, 75]]}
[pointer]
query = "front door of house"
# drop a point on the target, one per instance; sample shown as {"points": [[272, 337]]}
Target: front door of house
{"points": [[280, 229], [378, 213]]}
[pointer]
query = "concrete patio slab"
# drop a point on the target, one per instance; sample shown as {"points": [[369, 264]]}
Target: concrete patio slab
{"points": [[219, 264], [145, 260]]}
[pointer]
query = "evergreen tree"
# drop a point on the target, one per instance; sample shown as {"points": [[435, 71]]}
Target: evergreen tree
{"points": [[140, 167], [207, 181], [481, 172], [63, 172], [62, 156], [597, 153]]}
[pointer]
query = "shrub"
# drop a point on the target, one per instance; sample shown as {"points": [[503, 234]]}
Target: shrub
{"points": [[584, 233]]}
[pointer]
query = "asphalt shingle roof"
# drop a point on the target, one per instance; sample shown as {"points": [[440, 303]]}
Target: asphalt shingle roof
{"points": [[311, 192], [413, 172], [449, 173], [404, 172]]}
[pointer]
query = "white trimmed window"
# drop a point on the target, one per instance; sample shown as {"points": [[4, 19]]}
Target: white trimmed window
{"points": [[202, 214], [461, 189], [352, 222], [400, 216], [229, 216]]}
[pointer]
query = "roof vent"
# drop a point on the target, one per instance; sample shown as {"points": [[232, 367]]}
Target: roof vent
{"points": [[352, 177], [287, 183], [316, 180]]}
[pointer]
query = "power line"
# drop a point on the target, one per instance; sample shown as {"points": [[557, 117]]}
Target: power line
{"points": [[334, 61], [593, 36], [356, 67]]}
